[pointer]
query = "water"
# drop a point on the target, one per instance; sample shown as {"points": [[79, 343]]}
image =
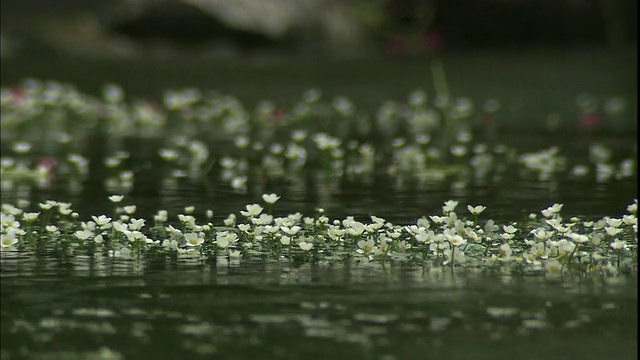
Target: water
{"points": [[79, 309], [107, 308]]}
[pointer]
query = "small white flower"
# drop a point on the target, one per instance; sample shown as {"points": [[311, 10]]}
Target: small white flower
{"points": [[366, 247], [136, 224], [616, 244], [252, 210], [449, 206], [9, 239], [101, 220], [83, 235], [30, 216], [305, 246], [285, 240], [99, 239], [476, 210], [116, 198], [290, 230], [612, 231], [553, 267], [121, 227], [614, 222], [270, 198], [193, 239], [130, 209]]}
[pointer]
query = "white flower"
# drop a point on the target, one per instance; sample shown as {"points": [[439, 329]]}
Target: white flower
{"points": [[170, 244], [541, 234], [101, 220], [553, 267], [614, 222], [270, 198], [48, 204], [99, 239], [455, 239], [252, 210], [83, 235], [225, 238], [506, 236], [30, 216], [449, 206], [476, 210], [130, 209], [505, 251], [285, 240], [366, 247], [305, 246], [290, 230], [136, 224], [552, 210], [616, 244], [578, 238], [121, 227], [612, 231], [9, 239], [116, 198], [438, 219], [193, 239], [509, 229]]}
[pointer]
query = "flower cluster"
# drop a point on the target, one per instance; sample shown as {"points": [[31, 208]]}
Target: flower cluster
{"points": [[547, 243], [207, 132]]}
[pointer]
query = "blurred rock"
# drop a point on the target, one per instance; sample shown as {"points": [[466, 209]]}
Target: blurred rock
{"points": [[129, 28]]}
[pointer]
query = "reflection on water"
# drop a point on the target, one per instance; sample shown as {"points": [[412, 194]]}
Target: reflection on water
{"points": [[104, 308]]}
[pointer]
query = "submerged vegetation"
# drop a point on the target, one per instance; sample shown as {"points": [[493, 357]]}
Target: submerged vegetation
{"points": [[52, 129]]}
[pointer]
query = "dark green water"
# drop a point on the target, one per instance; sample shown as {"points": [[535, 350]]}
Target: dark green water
{"points": [[98, 308], [54, 310]]}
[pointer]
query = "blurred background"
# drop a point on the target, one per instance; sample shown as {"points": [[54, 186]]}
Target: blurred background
{"points": [[128, 28], [538, 55]]}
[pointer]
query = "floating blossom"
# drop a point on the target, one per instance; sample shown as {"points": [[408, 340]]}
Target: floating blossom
{"points": [[578, 238], [290, 230], [305, 246], [552, 210], [83, 235], [613, 222], [9, 239], [612, 231], [541, 234], [510, 229], [136, 224], [193, 239], [366, 247], [130, 209], [28, 217], [476, 210], [225, 239], [270, 198], [617, 244], [116, 198], [553, 268], [449, 206], [252, 210], [102, 221]]}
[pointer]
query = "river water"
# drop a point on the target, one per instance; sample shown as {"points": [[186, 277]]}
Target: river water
{"points": [[106, 308]]}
